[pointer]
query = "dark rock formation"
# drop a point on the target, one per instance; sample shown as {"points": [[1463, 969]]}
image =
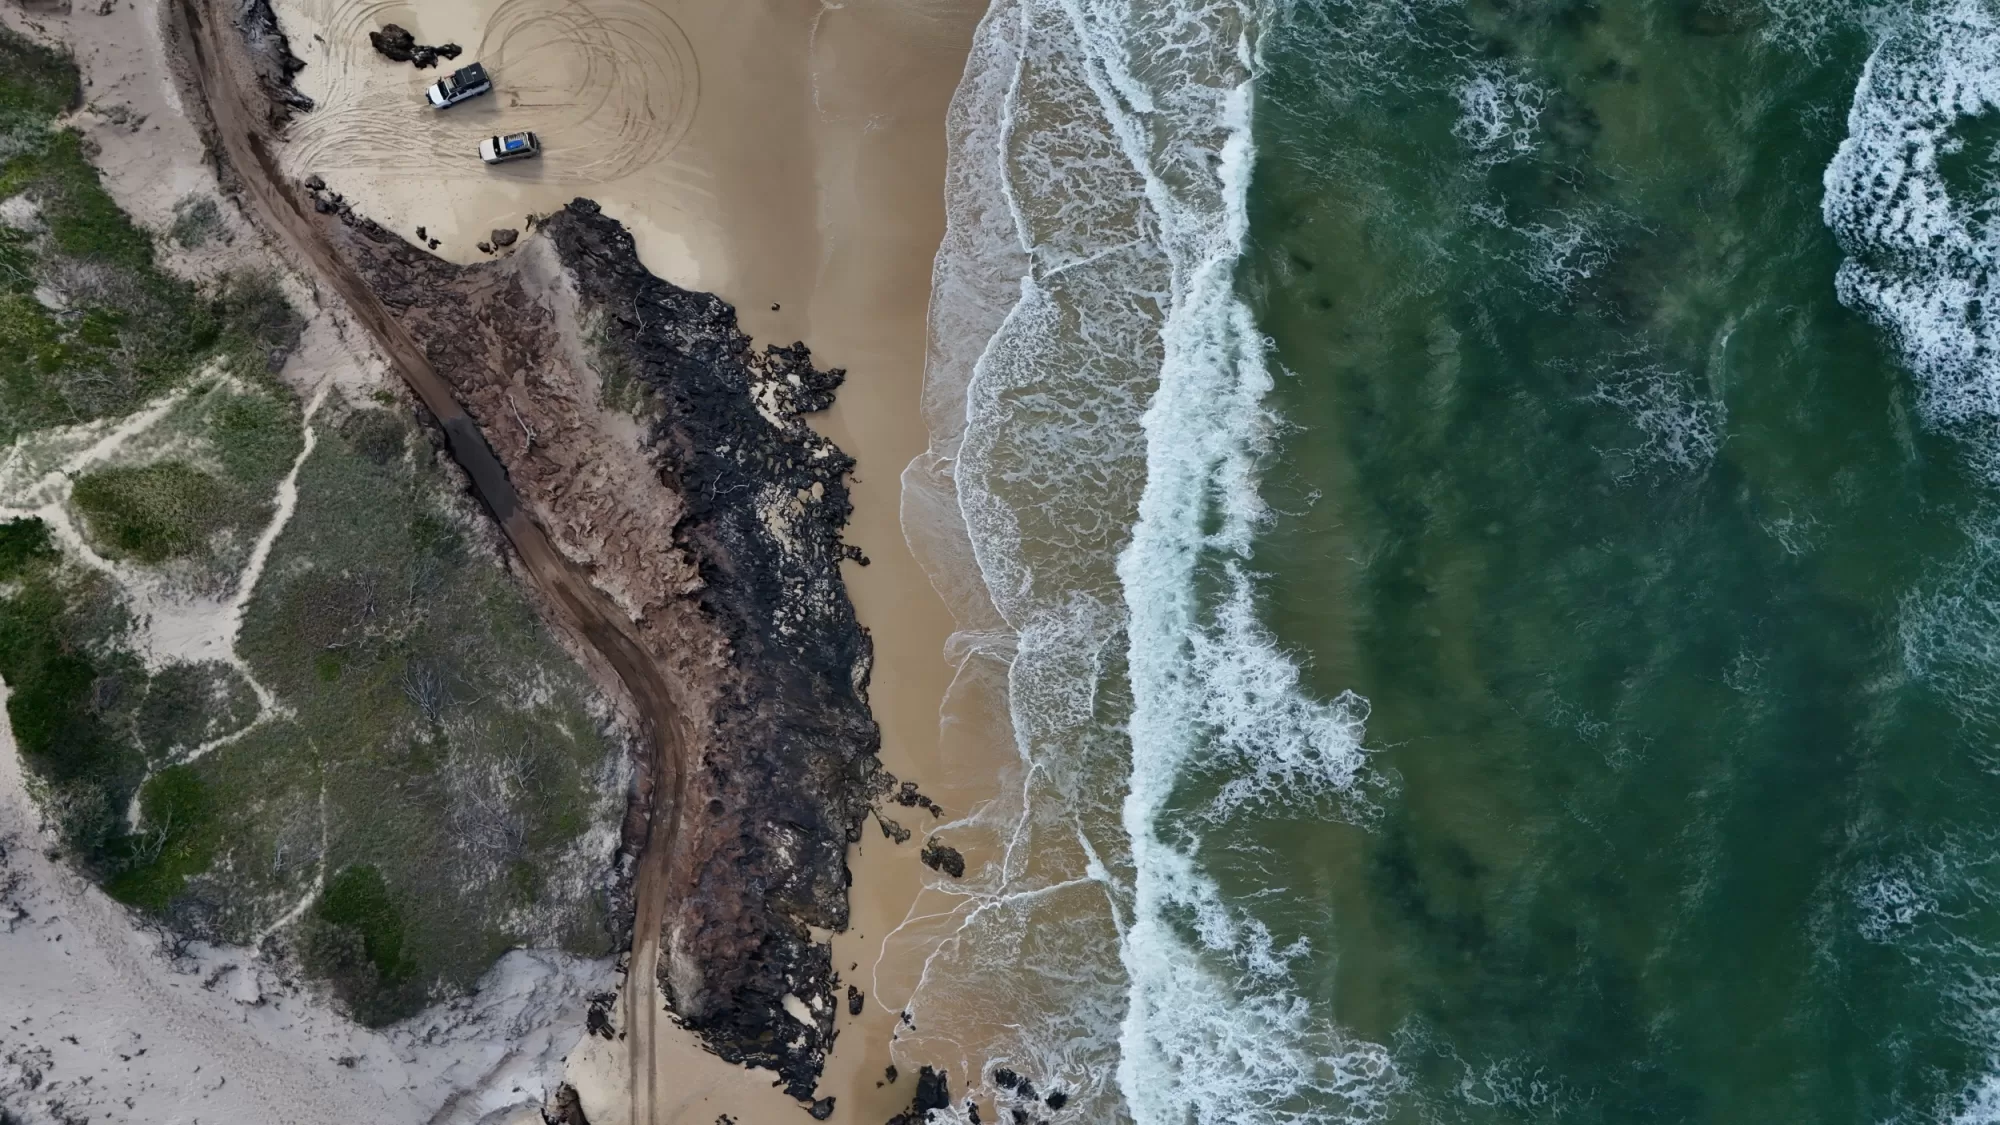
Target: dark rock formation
{"points": [[397, 44], [270, 54], [393, 42], [855, 999], [939, 856], [749, 617], [505, 237], [892, 829], [566, 1108], [598, 1020], [933, 1092], [821, 1109]]}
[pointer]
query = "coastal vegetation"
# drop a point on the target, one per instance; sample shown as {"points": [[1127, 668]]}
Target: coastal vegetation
{"points": [[393, 769]]}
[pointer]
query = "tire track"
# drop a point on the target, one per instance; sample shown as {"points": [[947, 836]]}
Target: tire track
{"points": [[611, 85]]}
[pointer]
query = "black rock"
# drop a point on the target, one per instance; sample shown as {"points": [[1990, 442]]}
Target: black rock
{"points": [[485, 247], [942, 857], [854, 1000], [314, 183], [822, 1109], [1006, 1079], [394, 43], [504, 237], [271, 56], [893, 830], [933, 1092], [889, 1072], [1056, 1100]]}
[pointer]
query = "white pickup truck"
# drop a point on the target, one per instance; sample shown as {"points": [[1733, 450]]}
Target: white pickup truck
{"points": [[463, 83]]}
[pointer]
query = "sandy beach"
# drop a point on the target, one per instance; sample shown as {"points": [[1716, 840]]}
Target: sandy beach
{"points": [[790, 158]]}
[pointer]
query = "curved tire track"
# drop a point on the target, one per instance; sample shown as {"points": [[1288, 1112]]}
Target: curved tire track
{"points": [[612, 86]]}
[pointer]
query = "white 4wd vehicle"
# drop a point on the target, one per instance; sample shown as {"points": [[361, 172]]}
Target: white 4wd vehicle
{"points": [[513, 146], [465, 82]]}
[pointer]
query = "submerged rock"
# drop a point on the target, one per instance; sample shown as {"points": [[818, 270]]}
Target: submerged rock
{"points": [[939, 856], [933, 1092]]}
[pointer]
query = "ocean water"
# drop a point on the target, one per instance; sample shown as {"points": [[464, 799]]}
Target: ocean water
{"points": [[1479, 524]]}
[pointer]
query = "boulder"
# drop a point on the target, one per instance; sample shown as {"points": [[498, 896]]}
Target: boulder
{"points": [[393, 43]]}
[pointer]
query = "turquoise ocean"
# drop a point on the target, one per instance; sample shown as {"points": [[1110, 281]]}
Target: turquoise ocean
{"points": [[1478, 523]]}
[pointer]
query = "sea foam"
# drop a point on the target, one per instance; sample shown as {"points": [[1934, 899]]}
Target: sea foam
{"points": [[1921, 257], [1094, 394]]}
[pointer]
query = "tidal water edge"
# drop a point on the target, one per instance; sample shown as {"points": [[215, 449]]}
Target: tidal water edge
{"points": [[1483, 519]]}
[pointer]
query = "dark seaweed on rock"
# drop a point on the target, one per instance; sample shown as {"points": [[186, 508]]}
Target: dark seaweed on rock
{"points": [[271, 54], [797, 712]]}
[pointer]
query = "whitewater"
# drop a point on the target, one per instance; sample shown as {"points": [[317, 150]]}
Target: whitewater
{"points": [[1095, 392]]}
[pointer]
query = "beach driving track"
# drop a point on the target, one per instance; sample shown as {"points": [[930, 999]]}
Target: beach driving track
{"points": [[235, 111], [613, 83]]}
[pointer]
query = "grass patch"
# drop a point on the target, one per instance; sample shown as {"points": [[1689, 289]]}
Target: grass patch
{"points": [[188, 704], [152, 513], [448, 731], [89, 325]]}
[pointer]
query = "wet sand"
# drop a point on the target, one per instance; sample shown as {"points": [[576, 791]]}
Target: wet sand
{"points": [[790, 158]]}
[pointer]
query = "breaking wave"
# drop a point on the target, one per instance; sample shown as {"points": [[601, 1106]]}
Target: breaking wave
{"points": [[1087, 506], [1911, 196]]}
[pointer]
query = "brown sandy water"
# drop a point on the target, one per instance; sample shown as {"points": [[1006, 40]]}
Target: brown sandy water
{"points": [[789, 157]]}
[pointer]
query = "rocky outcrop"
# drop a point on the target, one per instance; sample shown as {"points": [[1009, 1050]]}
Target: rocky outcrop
{"points": [[709, 511]]}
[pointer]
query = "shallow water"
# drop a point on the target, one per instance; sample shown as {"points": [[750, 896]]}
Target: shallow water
{"points": [[1487, 522]]}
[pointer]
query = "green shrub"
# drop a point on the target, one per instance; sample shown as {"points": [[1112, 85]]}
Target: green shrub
{"points": [[197, 219], [24, 543], [177, 840], [355, 942]]}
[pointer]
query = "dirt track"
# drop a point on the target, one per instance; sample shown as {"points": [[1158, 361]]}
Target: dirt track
{"points": [[239, 130]]}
